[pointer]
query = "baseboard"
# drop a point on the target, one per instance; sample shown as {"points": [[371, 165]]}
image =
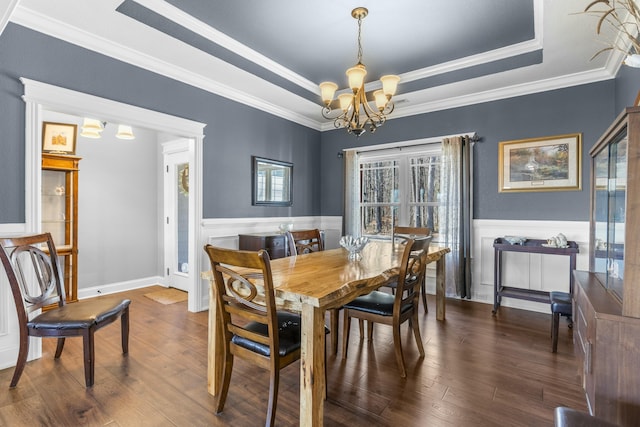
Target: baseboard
{"points": [[112, 288]]}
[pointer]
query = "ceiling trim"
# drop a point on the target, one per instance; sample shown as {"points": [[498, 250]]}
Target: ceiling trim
{"points": [[513, 91], [54, 28], [485, 57], [5, 13], [44, 24], [193, 24]]}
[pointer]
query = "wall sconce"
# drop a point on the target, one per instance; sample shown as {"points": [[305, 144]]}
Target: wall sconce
{"points": [[91, 128], [125, 132]]}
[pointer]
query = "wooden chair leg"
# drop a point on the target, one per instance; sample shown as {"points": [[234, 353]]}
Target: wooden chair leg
{"points": [[370, 330], [59, 348], [423, 290], [333, 315], [361, 326], [124, 324], [225, 379], [555, 324], [345, 332], [89, 356], [413, 324], [22, 360], [397, 346], [274, 379]]}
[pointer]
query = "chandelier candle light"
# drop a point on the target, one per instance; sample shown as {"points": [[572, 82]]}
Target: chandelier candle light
{"points": [[356, 112]]}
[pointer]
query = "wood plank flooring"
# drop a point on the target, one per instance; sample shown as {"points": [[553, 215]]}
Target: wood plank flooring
{"points": [[479, 370]]}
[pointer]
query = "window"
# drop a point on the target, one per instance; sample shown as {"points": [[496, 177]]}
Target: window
{"points": [[399, 187]]}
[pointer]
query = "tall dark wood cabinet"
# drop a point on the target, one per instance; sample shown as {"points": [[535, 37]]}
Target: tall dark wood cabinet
{"points": [[60, 213], [607, 297]]}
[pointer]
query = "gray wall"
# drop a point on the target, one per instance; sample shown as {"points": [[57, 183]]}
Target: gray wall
{"points": [[588, 109], [234, 132], [627, 87]]}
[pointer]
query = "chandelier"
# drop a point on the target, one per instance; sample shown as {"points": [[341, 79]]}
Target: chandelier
{"points": [[356, 112]]}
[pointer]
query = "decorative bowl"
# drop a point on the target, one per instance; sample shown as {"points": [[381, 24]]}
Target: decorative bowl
{"points": [[354, 245], [515, 240]]}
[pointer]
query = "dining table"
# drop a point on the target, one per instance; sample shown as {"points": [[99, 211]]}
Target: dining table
{"points": [[310, 284]]}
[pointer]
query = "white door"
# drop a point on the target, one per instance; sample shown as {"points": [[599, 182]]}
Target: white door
{"points": [[177, 269]]}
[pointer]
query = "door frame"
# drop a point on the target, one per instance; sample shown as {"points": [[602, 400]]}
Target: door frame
{"points": [[178, 147], [40, 96]]}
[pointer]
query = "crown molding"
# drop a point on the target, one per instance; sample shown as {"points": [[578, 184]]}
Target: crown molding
{"points": [[44, 24], [486, 57], [198, 27], [513, 91], [54, 28], [6, 10]]}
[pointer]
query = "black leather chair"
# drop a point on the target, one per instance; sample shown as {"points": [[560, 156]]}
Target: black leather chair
{"points": [[35, 257], [561, 305], [254, 330], [393, 310]]}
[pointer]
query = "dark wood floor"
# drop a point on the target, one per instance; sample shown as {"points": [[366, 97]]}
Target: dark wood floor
{"points": [[479, 370]]}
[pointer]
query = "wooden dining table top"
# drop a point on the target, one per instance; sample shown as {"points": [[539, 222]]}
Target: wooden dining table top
{"points": [[328, 279]]}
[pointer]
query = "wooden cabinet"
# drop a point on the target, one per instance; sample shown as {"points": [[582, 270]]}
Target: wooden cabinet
{"points": [[607, 298], [275, 244], [60, 213]]}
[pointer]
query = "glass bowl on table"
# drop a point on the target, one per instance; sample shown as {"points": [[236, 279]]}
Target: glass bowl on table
{"points": [[354, 245]]}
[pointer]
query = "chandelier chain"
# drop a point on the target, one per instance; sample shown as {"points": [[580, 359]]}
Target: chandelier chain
{"points": [[359, 40]]}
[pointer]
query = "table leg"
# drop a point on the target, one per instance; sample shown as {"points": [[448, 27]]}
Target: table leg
{"points": [[440, 287], [216, 347], [312, 367]]}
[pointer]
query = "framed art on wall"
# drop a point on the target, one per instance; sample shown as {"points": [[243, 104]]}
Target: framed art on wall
{"points": [[551, 163], [59, 138]]}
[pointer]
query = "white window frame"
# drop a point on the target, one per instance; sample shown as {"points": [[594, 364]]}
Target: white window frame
{"points": [[403, 156]]}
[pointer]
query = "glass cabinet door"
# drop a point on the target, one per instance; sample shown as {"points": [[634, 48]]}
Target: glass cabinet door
{"points": [[54, 206], [609, 170]]}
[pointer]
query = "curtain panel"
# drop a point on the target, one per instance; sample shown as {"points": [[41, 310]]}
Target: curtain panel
{"points": [[455, 213]]}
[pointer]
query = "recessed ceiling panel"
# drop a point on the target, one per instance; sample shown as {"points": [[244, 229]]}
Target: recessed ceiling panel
{"points": [[317, 39]]}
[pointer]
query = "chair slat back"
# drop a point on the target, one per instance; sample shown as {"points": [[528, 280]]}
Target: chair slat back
{"points": [[412, 272], [410, 232], [33, 270], [304, 241], [239, 300]]}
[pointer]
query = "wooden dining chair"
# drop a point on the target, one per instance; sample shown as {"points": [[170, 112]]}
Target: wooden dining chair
{"points": [[304, 242], [382, 307], [253, 329], [35, 277], [406, 233]]}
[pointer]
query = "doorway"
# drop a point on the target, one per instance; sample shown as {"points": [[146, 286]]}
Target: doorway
{"points": [[38, 96], [177, 206]]}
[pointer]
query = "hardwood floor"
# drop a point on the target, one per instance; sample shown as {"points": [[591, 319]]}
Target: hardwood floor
{"points": [[479, 370]]}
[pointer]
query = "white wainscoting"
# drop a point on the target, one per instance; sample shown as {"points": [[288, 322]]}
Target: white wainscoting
{"points": [[9, 332], [532, 271]]}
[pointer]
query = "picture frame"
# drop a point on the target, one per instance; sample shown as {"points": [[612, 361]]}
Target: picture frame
{"points": [[552, 163], [59, 138]]}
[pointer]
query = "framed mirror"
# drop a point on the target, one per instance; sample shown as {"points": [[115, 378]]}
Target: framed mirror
{"points": [[272, 182]]}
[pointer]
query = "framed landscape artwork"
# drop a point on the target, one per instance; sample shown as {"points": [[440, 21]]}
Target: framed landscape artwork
{"points": [[550, 163], [59, 138]]}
